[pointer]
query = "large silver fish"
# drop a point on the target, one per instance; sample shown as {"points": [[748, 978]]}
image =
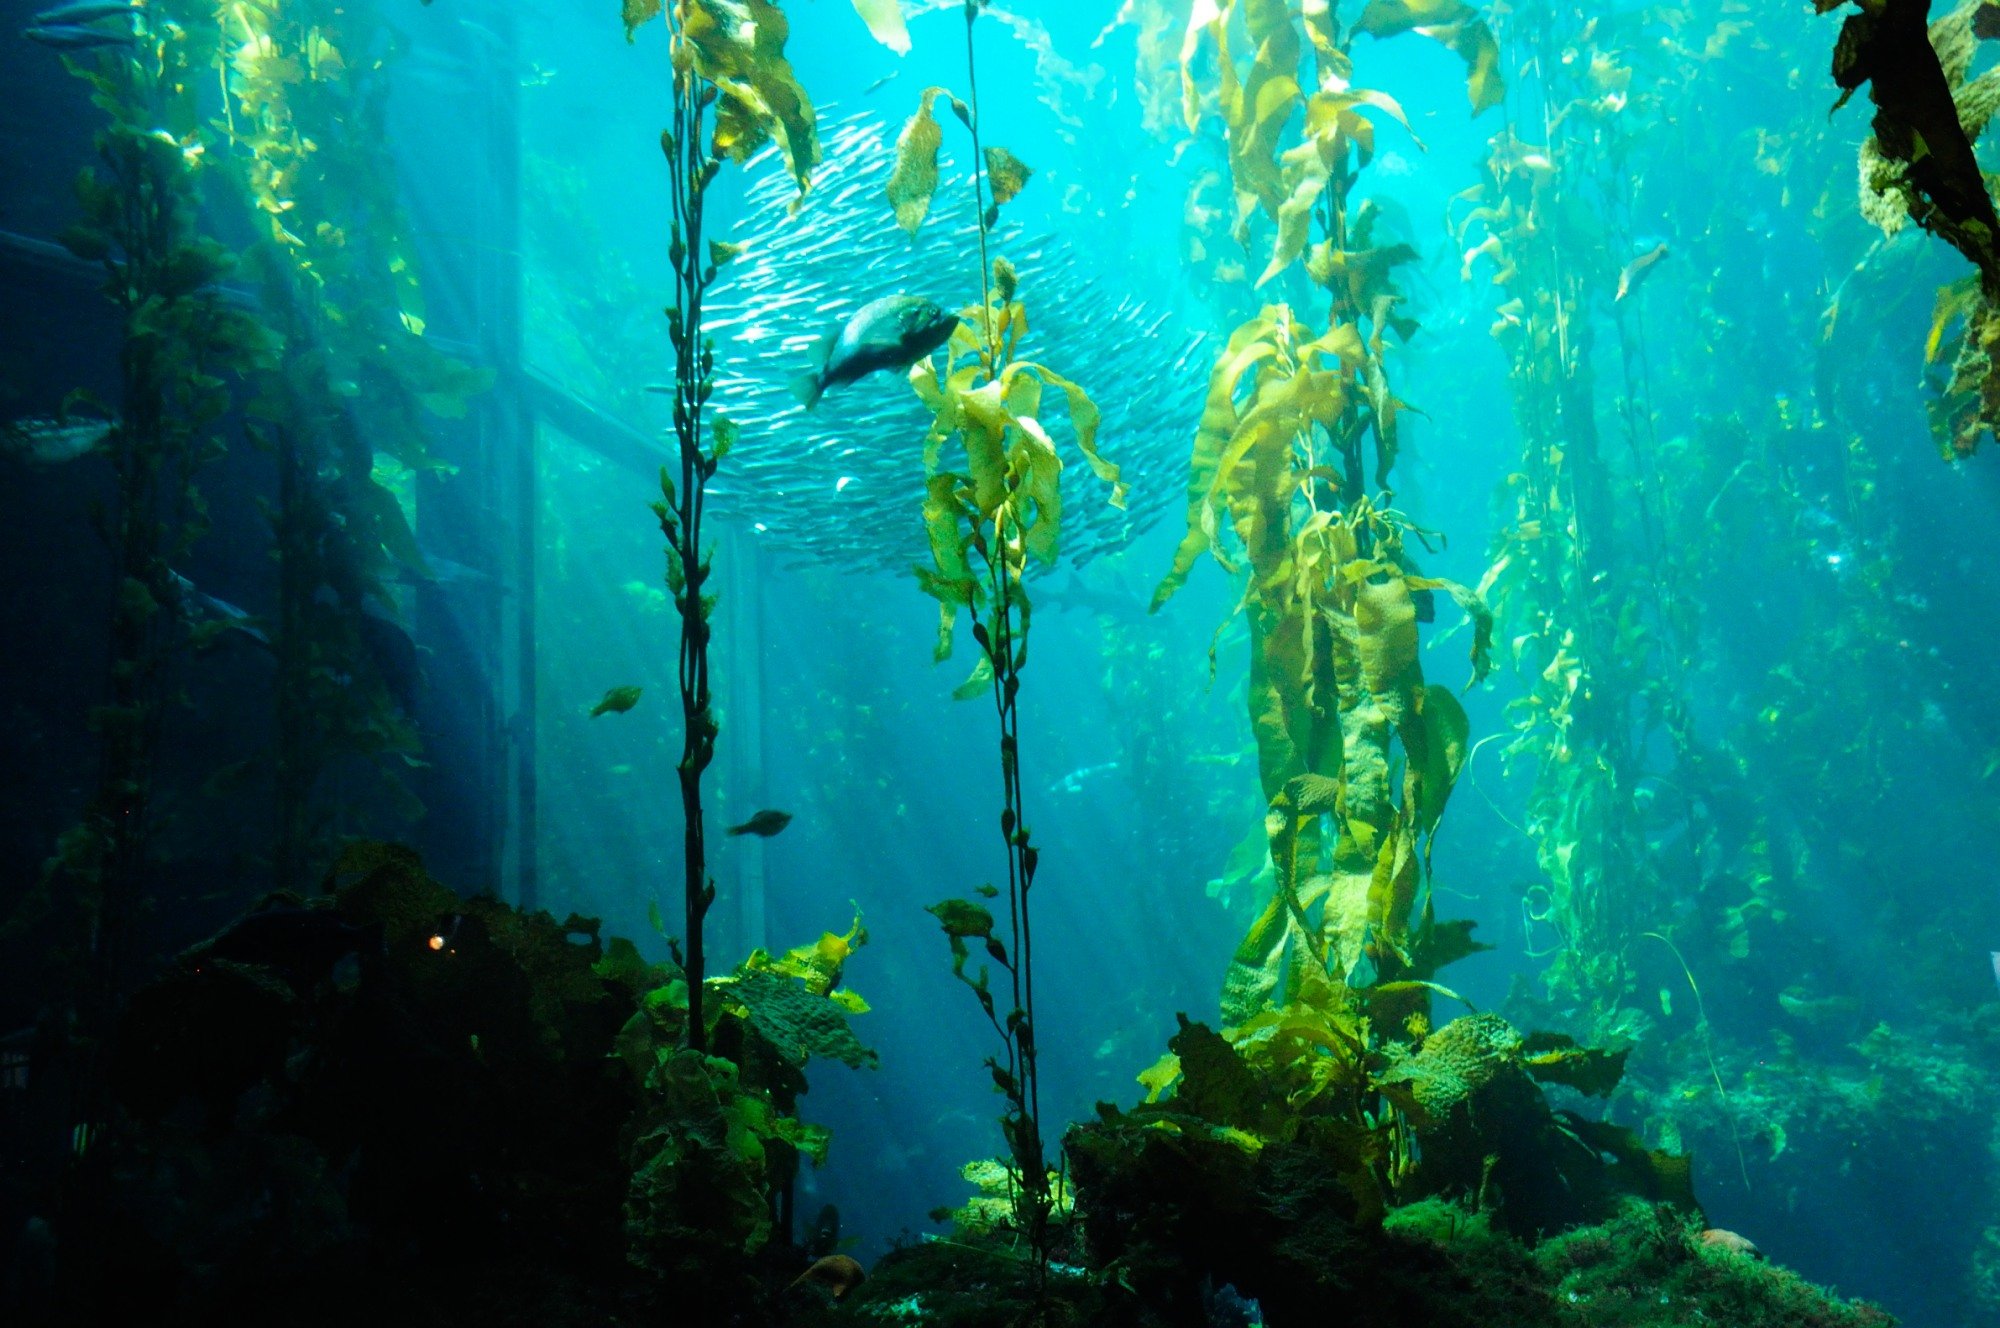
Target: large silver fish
{"points": [[47, 442], [844, 482]]}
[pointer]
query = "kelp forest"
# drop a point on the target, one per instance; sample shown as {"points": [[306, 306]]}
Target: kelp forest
{"points": [[1359, 623]]}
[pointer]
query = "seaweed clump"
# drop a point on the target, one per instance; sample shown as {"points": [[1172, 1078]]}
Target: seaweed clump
{"points": [[1248, 1189], [390, 1101], [1434, 1263], [1280, 1180]]}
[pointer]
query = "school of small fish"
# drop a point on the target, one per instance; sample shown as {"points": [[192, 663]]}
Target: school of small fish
{"points": [[844, 482]]}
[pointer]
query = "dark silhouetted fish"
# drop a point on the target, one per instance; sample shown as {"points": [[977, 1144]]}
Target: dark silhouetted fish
{"points": [[73, 38], [84, 25], [764, 824], [844, 482], [1077, 595], [893, 332]]}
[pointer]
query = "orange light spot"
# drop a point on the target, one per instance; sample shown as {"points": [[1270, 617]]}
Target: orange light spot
{"points": [[437, 942]]}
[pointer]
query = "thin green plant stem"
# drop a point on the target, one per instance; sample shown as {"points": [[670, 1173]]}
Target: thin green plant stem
{"points": [[1708, 1051]]}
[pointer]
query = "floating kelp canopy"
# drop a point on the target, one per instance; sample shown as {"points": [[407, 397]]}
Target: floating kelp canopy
{"points": [[834, 483]]}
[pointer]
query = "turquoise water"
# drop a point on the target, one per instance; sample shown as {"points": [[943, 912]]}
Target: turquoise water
{"points": [[1726, 798]]}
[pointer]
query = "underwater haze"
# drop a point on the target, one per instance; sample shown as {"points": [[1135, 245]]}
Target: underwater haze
{"points": [[622, 620]]}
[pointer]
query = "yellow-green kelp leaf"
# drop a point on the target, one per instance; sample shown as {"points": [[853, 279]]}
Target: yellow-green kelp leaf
{"points": [[1445, 730], [977, 683], [914, 179], [1477, 612], [1011, 479], [1006, 174], [819, 964], [739, 45], [1558, 1058], [1158, 1077], [638, 13], [1251, 343], [616, 701], [1333, 120], [1083, 419], [1212, 18], [885, 23], [949, 581], [1455, 24]]}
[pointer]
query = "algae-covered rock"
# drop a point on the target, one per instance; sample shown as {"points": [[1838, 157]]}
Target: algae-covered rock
{"points": [[1280, 1250], [1487, 1132], [333, 1100]]}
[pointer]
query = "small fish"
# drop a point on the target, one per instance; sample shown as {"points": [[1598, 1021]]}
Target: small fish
{"points": [[781, 475], [52, 442], [1083, 597], [1075, 780], [764, 824], [70, 38], [1395, 165], [203, 608], [893, 332], [836, 1272], [1635, 271], [616, 701], [881, 82], [1715, 1238], [1798, 1003], [438, 571]]}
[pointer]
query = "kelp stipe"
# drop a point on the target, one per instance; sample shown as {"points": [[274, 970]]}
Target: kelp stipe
{"points": [[1330, 1091], [179, 339], [1580, 627], [716, 1143], [1279, 481], [719, 1059], [1680, 825], [344, 407], [985, 524], [735, 72]]}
